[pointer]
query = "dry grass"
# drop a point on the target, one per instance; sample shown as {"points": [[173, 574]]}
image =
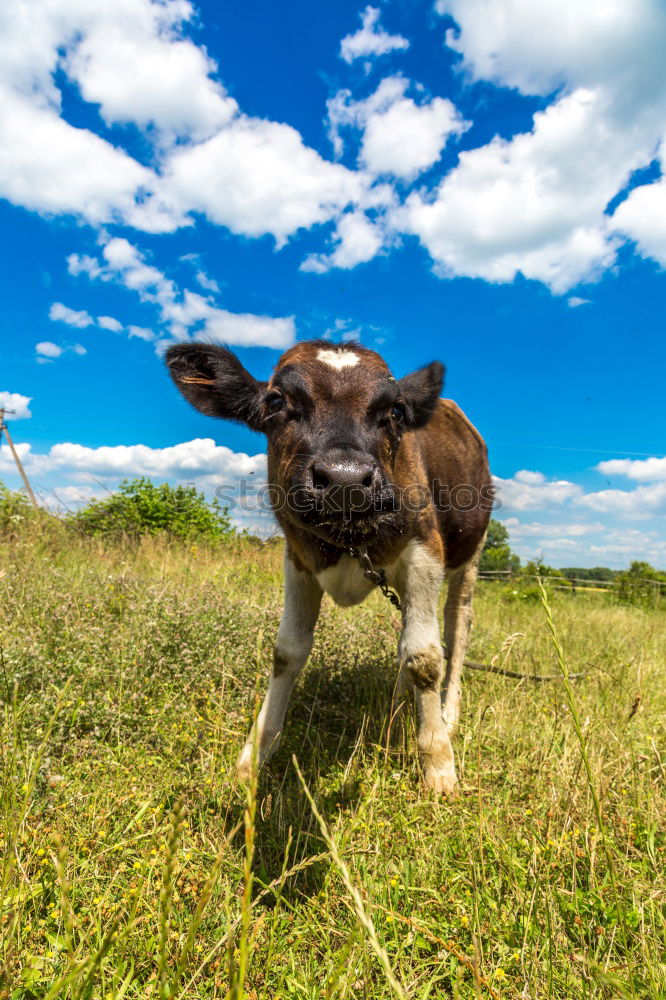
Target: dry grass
{"points": [[133, 866]]}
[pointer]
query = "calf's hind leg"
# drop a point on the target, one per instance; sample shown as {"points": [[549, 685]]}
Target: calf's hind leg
{"points": [[457, 621], [302, 599]]}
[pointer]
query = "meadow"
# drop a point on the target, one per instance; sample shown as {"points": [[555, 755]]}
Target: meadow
{"points": [[133, 865]]}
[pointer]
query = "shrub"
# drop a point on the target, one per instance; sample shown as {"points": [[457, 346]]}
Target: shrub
{"points": [[15, 509], [140, 507]]}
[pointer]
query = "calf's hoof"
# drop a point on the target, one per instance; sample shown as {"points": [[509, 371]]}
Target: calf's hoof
{"points": [[244, 765], [440, 780]]}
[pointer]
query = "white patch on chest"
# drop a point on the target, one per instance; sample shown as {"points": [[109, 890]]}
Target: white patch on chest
{"points": [[338, 359], [345, 582]]}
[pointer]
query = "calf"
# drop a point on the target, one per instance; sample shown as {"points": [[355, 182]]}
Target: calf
{"points": [[366, 473]]}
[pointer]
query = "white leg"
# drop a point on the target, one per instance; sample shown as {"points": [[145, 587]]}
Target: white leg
{"points": [[457, 620], [419, 577], [302, 598]]}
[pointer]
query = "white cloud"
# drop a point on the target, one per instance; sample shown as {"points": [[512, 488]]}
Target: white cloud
{"points": [[182, 311], [536, 529], [109, 323], [358, 241], [83, 264], [257, 177], [207, 282], [400, 138], [49, 166], [247, 330], [15, 401], [48, 349], [408, 138], [647, 470], [528, 204], [642, 217], [131, 59], [543, 194], [196, 458], [370, 39], [529, 490], [61, 313], [141, 333], [643, 502], [137, 69], [539, 47], [574, 301]]}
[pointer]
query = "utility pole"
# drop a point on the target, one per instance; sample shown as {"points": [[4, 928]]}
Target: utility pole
{"points": [[19, 466]]}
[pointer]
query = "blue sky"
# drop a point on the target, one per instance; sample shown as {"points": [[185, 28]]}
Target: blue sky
{"points": [[479, 182]]}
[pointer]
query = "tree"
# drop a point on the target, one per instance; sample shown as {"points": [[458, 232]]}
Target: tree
{"points": [[142, 508], [640, 584], [497, 554]]}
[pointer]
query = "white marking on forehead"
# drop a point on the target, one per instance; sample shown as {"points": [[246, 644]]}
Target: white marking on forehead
{"points": [[338, 359]]}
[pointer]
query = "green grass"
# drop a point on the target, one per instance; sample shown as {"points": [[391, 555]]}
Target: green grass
{"points": [[134, 866]]}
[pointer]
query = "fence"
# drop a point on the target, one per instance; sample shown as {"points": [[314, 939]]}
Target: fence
{"points": [[573, 584]]}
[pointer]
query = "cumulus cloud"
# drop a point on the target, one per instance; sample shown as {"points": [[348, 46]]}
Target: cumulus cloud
{"points": [[642, 217], [536, 529], [137, 69], [527, 204], [72, 317], [358, 241], [196, 458], [181, 311], [546, 191], [399, 137], [647, 470], [133, 61], [48, 349], [109, 323], [528, 490], [643, 502], [17, 402], [370, 39], [574, 301], [258, 177]]}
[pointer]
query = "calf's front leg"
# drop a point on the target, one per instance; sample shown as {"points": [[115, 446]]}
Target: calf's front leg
{"points": [[422, 661], [302, 598]]}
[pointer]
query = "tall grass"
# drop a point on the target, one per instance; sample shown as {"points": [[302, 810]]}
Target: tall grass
{"points": [[133, 865]]}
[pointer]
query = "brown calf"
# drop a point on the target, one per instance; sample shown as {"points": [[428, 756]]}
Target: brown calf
{"points": [[360, 462]]}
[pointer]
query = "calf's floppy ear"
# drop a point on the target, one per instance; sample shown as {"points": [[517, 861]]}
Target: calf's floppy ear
{"points": [[214, 381], [420, 392]]}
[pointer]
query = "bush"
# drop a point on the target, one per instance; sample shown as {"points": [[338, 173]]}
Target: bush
{"points": [[15, 509], [142, 508]]}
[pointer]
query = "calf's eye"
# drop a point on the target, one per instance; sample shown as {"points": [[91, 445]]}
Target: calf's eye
{"points": [[274, 404], [398, 412]]}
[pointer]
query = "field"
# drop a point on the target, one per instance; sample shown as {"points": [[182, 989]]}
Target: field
{"points": [[133, 865]]}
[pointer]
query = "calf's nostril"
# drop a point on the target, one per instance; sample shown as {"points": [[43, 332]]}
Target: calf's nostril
{"points": [[320, 480], [367, 481]]}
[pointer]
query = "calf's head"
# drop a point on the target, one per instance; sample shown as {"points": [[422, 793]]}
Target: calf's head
{"points": [[333, 416]]}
